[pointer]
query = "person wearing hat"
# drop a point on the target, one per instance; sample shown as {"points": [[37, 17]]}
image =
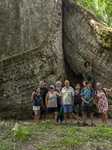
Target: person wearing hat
{"points": [[88, 71], [51, 103], [87, 95]]}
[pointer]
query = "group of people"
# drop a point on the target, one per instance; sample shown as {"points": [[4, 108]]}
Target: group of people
{"points": [[61, 101]]}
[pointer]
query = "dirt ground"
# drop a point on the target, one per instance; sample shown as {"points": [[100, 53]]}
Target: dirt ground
{"points": [[52, 139], [96, 120]]}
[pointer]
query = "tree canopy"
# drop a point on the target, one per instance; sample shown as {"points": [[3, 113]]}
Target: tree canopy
{"points": [[100, 8]]}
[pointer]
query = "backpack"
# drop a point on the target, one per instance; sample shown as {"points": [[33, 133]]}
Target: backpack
{"points": [[91, 91], [103, 91]]}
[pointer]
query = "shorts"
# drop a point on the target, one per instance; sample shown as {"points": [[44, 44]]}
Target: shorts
{"points": [[36, 107], [78, 108], [52, 110], [88, 109], [67, 108], [91, 81]]}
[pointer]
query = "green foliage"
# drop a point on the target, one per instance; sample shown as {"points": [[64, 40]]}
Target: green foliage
{"points": [[14, 114], [9, 145], [100, 8], [49, 136], [21, 133], [99, 132]]}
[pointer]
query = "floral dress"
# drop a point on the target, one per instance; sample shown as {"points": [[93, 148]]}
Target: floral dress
{"points": [[102, 101]]}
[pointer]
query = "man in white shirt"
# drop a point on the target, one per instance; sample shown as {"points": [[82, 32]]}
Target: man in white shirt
{"points": [[67, 100]]}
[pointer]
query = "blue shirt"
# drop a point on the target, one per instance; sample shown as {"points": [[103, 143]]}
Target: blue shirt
{"points": [[35, 98], [87, 94], [58, 97]]}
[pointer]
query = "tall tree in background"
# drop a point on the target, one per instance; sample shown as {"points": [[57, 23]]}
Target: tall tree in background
{"points": [[100, 8]]}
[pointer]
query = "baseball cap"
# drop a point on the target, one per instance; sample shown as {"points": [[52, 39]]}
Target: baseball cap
{"points": [[87, 82], [52, 86]]}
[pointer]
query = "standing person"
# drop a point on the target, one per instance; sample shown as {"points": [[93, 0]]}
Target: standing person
{"points": [[87, 95], [102, 102], [37, 102], [43, 91], [32, 100], [88, 71], [67, 99], [51, 103], [57, 89], [83, 88], [78, 102]]}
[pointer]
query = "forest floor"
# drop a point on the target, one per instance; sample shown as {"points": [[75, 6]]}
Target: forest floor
{"points": [[54, 137]]}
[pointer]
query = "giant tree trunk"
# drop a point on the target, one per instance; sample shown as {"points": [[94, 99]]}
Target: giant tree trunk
{"points": [[31, 50], [39, 40], [83, 33]]}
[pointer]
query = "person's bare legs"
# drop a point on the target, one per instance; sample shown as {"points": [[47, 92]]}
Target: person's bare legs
{"points": [[70, 114], [38, 116], [65, 117], [91, 116], [56, 116], [50, 117], [77, 116], [102, 118], [105, 118], [85, 117], [43, 118], [35, 116]]}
